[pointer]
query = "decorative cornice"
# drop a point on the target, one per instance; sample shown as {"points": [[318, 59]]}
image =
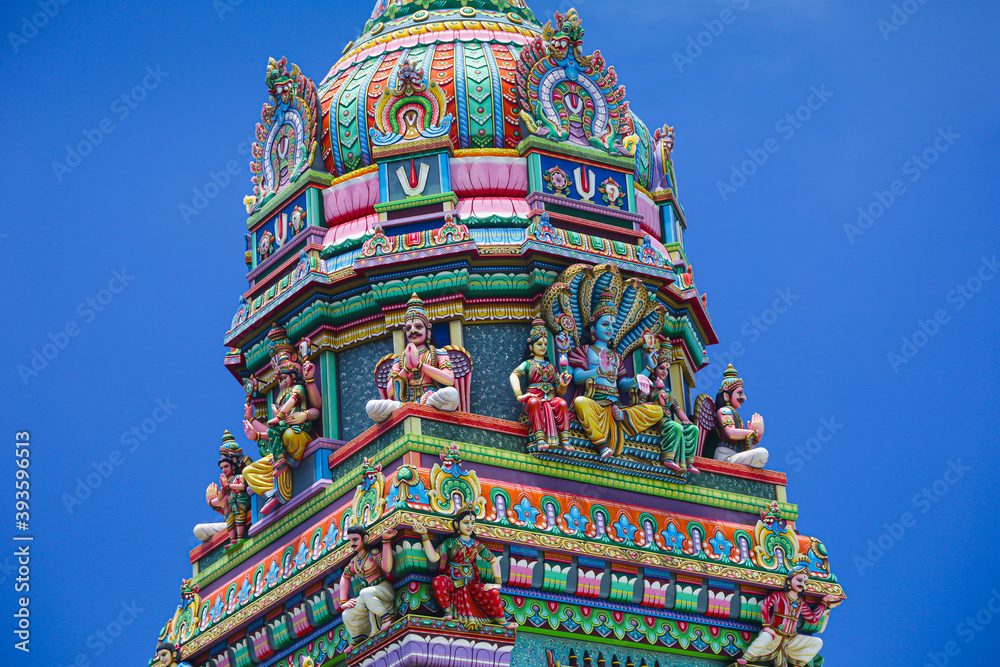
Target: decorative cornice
{"points": [[563, 148], [596, 209], [528, 463], [743, 472], [360, 171], [345, 480], [311, 178], [509, 535], [496, 152], [413, 148], [287, 256], [416, 201], [468, 32]]}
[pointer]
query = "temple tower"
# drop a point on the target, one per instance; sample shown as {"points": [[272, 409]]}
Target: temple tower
{"points": [[467, 168]]}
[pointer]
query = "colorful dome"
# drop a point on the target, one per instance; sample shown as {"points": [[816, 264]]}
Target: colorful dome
{"points": [[469, 48]]}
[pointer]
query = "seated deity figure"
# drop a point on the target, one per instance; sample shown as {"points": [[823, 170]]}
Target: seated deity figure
{"points": [[284, 438], [599, 372], [372, 609], [423, 373], [737, 443], [678, 436], [548, 414]]}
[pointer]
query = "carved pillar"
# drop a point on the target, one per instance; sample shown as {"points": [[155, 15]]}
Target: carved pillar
{"points": [[331, 397]]}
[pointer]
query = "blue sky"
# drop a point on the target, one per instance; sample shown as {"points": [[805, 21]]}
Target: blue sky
{"points": [[861, 433]]}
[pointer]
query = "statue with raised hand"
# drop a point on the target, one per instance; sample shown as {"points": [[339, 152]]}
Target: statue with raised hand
{"points": [[678, 435], [372, 609], [286, 435], [779, 641], [230, 496], [734, 441]]}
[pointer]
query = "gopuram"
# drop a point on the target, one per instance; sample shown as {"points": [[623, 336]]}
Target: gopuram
{"points": [[471, 434]]}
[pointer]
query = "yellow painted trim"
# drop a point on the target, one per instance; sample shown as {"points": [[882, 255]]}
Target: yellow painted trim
{"points": [[470, 152], [411, 426], [455, 330]]}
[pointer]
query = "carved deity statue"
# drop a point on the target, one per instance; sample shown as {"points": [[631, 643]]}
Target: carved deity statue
{"points": [[460, 590], [618, 313], [230, 497], [284, 438], [286, 136], [779, 642], [678, 436], [372, 609], [169, 655], [735, 442], [600, 372], [412, 110], [663, 167], [548, 414], [423, 373]]}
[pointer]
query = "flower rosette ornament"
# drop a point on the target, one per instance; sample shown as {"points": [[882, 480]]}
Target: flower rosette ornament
{"points": [[557, 181]]}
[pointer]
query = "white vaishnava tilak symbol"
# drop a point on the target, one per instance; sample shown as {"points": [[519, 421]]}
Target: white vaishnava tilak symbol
{"points": [[413, 187]]}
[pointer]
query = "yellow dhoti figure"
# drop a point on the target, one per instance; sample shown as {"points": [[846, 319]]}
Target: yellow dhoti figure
{"points": [[296, 443], [287, 434], [608, 432], [617, 315], [261, 476]]}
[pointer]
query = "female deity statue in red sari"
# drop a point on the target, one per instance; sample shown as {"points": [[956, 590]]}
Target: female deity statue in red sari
{"points": [[459, 591], [548, 415]]}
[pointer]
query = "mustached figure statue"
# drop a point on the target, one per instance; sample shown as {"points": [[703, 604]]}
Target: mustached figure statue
{"points": [[723, 433], [423, 373], [779, 642]]}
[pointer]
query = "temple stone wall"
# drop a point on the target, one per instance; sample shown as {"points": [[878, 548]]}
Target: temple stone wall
{"points": [[356, 384], [496, 350]]}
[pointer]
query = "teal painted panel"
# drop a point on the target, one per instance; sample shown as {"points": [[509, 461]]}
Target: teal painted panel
{"points": [[530, 652]]}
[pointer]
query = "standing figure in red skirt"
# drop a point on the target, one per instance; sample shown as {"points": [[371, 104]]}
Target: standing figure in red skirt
{"points": [[548, 415], [459, 591]]}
